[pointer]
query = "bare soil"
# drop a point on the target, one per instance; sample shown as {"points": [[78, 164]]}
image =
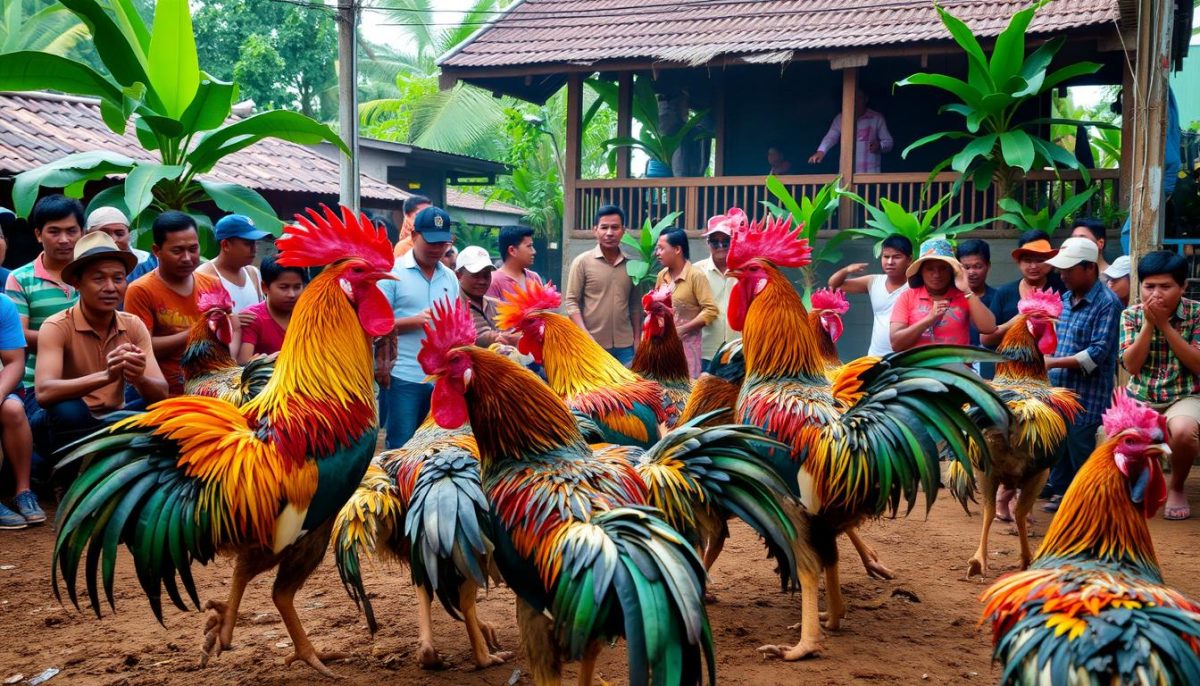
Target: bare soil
{"points": [[919, 628]]}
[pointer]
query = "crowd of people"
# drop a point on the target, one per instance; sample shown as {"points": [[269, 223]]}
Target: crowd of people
{"points": [[92, 326]]}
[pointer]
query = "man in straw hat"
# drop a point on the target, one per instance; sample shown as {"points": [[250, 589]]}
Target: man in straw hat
{"points": [[89, 352], [939, 306]]}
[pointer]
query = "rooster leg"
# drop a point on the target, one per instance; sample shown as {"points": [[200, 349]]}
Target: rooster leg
{"points": [[869, 558], [587, 667], [715, 545], [297, 563], [1029, 493], [218, 629], [427, 654], [479, 643], [977, 565], [834, 602], [810, 624], [537, 636]]}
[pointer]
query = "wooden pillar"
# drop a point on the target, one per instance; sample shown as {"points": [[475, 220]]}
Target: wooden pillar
{"points": [[624, 120], [573, 144], [719, 125], [1127, 119], [846, 146]]}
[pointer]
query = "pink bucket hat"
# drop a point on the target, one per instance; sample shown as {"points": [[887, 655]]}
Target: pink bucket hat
{"points": [[726, 223]]}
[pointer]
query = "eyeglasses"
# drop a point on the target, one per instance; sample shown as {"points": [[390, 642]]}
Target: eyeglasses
{"points": [[718, 243]]}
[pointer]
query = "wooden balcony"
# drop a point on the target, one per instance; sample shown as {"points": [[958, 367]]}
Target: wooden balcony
{"points": [[700, 198]]}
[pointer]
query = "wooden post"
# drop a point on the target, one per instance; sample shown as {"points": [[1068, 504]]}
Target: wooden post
{"points": [[1127, 118], [573, 143], [624, 120], [846, 156], [348, 174], [1150, 110], [719, 124]]}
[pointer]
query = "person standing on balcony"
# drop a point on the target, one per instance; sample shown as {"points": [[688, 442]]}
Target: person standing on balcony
{"points": [[884, 288], [516, 258], [600, 296], [779, 162], [693, 302], [871, 137], [720, 228]]}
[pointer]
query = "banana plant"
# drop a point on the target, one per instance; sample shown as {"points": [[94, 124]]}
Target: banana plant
{"points": [[1025, 218], [179, 115], [890, 218], [811, 214], [642, 246], [471, 234], [998, 147]]}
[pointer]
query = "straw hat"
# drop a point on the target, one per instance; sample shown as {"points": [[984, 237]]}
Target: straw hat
{"points": [[934, 249], [94, 247]]}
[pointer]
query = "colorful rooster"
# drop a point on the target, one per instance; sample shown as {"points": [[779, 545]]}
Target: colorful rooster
{"points": [[660, 356], [196, 477], [423, 505], [575, 540], [1021, 457], [828, 306], [208, 367], [715, 393], [626, 408], [1092, 609], [861, 441]]}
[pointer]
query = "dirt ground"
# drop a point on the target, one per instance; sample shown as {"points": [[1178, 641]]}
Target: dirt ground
{"points": [[920, 628]]}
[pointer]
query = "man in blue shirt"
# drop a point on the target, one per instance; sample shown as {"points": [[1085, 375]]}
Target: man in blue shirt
{"points": [[17, 438], [1086, 358], [421, 281]]}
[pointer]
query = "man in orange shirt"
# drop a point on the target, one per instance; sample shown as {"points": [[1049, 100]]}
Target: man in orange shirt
{"points": [[412, 206], [165, 299]]}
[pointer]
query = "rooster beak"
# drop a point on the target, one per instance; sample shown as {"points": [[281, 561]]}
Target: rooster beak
{"points": [[385, 276], [1160, 449]]}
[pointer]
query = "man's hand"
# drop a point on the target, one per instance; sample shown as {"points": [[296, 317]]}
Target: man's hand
{"points": [[1157, 313], [816, 157], [938, 310], [244, 319], [115, 361], [135, 363], [961, 283], [856, 268], [509, 338]]}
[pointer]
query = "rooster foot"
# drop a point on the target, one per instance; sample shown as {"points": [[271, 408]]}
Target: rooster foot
{"points": [[218, 630], [493, 659], [800, 651], [428, 658], [878, 571], [830, 621], [489, 636], [977, 567], [316, 660]]}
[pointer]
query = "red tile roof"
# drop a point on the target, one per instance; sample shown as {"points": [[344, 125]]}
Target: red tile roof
{"points": [[461, 200], [585, 32]]}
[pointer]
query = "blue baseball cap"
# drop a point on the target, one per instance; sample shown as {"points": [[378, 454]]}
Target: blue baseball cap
{"points": [[433, 223], [238, 226]]}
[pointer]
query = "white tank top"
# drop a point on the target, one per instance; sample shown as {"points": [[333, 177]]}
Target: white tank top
{"points": [[881, 305], [242, 296]]}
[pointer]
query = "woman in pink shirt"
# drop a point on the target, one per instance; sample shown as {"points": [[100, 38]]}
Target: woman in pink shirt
{"points": [[939, 306], [264, 324]]}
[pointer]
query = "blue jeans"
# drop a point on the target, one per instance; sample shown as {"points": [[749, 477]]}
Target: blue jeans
{"points": [[1074, 451], [623, 355], [407, 406]]}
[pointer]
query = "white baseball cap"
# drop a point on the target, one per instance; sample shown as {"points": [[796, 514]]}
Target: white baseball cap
{"points": [[474, 259], [103, 216], [1119, 269], [1073, 251]]}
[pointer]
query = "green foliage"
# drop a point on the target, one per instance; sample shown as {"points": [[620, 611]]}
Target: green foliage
{"points": [[996, 145], [643, 245], [1025, 218], [179, 112], [650, 139], [891, 218], [1105, 143], [811, 214], [482, 236], [41, 25]]}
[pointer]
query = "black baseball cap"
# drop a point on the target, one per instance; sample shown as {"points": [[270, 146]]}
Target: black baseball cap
{"points": [[433, 223]]}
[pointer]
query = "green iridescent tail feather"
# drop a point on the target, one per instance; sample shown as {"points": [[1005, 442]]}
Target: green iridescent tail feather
{"points": [[368, 525], [960, 483]]}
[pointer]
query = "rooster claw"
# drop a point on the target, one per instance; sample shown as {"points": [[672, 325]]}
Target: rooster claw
{"points": [[218, 630], [493, 659], [315, 660], [799, 651], [878, 571], [976, 567]]}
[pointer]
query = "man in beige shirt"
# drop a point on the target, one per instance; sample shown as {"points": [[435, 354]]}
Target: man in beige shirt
{"points": [[600, 296], [720, 228]]}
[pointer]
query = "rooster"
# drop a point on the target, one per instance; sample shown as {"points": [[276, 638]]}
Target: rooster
{"points": [[660, 356], [196, 477], [626, 408], [859, 442], [1020, 458], [574, 538], [715, 393], [828, 306], [208, 368], [423, 505], [1092, 609]]}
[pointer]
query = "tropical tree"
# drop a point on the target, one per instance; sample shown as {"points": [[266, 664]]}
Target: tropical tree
{"points": [[889, 218], [811, 215], [642, 246], [179, 114], [1048, 219], [999, 147], [42, 25]]}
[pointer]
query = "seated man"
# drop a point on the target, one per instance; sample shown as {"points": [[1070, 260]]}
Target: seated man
{"points": [[474, 268], [91, 350], [17, 438], [1160, 348]]}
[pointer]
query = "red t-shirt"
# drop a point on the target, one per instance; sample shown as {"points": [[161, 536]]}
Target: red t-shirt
{"points": [[264, 333], [954, 326]]}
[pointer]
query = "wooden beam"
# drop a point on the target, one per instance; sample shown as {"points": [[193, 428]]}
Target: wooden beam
{"points": [[719, 124], [1127, 118], [847, 143], [624, 120], [571, 166]]}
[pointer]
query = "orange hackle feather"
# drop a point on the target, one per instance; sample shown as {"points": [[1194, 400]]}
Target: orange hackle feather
{"points": [[773, 240], [325, 237], [523, 302]]}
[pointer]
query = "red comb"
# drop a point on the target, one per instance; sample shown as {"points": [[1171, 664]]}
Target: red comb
{"points": [[323, 238], [214, 299], [452, 327], [827, 299], [1128, 413], [774, 241], [521, 301], [661, 295], [1041, 301]]}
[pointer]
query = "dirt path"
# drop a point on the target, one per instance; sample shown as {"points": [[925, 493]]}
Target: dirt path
{"points": [[920, 628]]}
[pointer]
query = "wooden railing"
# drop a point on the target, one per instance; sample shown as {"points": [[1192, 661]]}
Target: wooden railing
{"points": [[700, 198]]}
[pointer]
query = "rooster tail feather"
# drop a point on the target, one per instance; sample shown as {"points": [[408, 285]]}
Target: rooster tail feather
{"points": [[626, 565], [255, 375], [694, 469], [960, 484], [371, 516]]}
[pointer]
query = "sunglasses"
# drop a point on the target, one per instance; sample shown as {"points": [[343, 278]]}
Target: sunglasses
{"points": [[718, 243]]}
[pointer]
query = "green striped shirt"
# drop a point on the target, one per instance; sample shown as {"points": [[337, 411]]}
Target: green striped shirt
{"points": [[38, 296]]}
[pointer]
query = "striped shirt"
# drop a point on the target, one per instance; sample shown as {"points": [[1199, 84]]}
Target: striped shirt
{"points": [[38, 296], [1163, 378], [1088, 333]]}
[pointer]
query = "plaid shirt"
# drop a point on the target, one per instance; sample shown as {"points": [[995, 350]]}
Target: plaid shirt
{"points": [[1088, 333], [1163, 378]]}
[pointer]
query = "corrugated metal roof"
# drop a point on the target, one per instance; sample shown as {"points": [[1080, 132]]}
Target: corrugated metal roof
{"points": [[585, 32], [43, 127]]}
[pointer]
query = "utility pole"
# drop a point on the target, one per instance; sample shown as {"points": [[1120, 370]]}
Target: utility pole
{"points": [[347, 21]]}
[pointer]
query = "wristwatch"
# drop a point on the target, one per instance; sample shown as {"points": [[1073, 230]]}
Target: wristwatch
{"points": [[968, 295]]}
